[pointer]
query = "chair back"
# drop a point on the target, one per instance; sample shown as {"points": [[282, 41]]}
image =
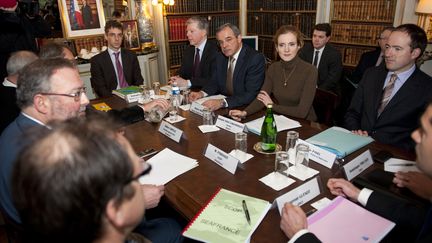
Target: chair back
{"points": [[14, 231], [325, 104]]}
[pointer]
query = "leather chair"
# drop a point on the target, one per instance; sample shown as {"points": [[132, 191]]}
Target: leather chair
{"points": [[325, 104]]}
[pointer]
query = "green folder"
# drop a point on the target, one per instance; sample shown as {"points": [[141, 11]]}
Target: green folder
{"points": [[339, 141]]}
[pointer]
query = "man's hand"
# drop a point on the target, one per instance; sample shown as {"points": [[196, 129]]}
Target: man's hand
{"points": [[213, 104], [264, 98], [157, 102], [152, 195], [293, 220], [237, 115], [417, 182], [181, 82], [195, 95], [360, 132], [342, 187]]}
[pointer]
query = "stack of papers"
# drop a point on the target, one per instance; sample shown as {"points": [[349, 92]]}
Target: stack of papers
{"points": [[167, 165], [282, 123], [339, 141], [212, 97]]}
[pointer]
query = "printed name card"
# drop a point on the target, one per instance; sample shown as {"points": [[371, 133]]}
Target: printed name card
{"points": [[300, 195], [170, 131], [358, 165], [319, 155], [197, 108], [221, 158], [229, 124]]}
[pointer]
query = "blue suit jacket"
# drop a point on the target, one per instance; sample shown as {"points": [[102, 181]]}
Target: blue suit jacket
{"points": [[248, 77], [11, 142], [401, 115]]}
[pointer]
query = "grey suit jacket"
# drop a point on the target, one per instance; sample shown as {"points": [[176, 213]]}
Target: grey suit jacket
{"points": [[103, 77]]}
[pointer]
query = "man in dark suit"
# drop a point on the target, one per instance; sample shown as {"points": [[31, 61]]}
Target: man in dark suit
{"points": [[239, 72], [10, 110], [116, 67], [414, 221], [325, 57], [198, 58], [372, 58], [388, 102]]}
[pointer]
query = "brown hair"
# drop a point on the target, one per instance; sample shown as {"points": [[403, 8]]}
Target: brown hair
{"points": [[284, 29]]}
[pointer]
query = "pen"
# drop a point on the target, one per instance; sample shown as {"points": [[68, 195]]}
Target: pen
{"points": [[246, 211], [402, 165], [310, 212]]}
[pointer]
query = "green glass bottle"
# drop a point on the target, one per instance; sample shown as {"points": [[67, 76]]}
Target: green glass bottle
{"points": [[268, 131]]}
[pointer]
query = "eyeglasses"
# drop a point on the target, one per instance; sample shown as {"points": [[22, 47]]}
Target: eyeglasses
{"points": [[76, 95], [147, 168]]}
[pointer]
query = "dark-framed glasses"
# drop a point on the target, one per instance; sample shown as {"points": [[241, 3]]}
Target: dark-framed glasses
{"points": [[146, 169], [76, 95]]}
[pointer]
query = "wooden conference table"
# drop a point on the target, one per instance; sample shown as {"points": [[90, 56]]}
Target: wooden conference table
{"points": [[189, 192]]}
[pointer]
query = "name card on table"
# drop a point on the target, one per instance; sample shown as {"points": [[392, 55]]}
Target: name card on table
{"points": [[221, 158], [358, 165], [229, 124], [170, 131], [197, 108], [319, 155], [300, 195]]}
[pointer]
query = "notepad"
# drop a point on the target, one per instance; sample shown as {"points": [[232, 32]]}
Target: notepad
{"points": [[130, 93], [282, 123], [345, 221], [339, 141], [223, 218]]}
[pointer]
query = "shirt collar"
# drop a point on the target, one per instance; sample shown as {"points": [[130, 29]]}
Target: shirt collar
{"points": [[111, 51], [202, 45], [403, 76], [237, 54], [8, 83], [33, 119]]}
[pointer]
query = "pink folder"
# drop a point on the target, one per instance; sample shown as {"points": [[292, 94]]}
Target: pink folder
{"points": [[345, 221]]}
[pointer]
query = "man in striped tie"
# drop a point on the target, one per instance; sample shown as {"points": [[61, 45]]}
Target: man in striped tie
{"points": [[389, 100]]}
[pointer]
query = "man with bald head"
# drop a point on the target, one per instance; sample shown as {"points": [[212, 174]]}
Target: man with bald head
{"points": [[10, 110]]}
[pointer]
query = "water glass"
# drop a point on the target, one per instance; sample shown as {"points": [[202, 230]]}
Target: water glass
{"points": [[241, 141], [173, 115], [207, 117], [281, 163], [302, 155], [156, 88], [291, 141], [186, 93]]}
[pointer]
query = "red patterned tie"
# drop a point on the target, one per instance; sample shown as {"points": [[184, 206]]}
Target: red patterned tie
{"points": [[387, 93], [121, 78]]}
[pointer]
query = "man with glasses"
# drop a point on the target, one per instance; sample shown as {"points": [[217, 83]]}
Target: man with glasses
{"points": [[83, 206], [238, 73], [116, 67]]}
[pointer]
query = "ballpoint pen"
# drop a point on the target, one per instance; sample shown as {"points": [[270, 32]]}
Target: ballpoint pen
{"points": [[402, 165], [310, 212], [246, 211]]}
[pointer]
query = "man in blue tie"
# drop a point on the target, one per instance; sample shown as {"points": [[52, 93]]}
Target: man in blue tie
{"points": [[415, 222], [116, 67]]}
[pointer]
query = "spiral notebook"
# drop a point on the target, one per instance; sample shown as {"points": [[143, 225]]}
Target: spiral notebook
{"points": [[224, 220]]}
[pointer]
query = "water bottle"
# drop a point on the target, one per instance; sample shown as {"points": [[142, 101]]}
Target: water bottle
{"points": [[268, 131], [175, 97]]}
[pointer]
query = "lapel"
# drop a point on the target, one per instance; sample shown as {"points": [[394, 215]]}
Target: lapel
{"points": [[109, 63], [126, 65], [239, 64], [223, 72], [204, 55]]}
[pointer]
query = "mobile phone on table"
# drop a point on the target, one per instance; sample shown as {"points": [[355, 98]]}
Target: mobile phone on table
{"points": [[382, 156], [146, 152]]}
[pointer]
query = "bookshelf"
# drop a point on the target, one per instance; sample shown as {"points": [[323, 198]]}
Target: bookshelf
{"points": [[265, 17], [217, 12], [357, 24]]}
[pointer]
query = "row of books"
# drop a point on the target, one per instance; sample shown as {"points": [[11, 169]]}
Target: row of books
{"points": [[268, 23], [267, 47], [177, 25], [379, 10], [356, 33], [282, 5], [193, 6], [176, 52], [350, 54]]}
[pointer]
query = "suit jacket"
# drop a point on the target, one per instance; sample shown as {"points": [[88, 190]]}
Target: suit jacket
{"points": [[206, 66], [103, 77], [11, 142], [367, 60], [9, 110], [400, 116], [329, 68], [248, 77]]}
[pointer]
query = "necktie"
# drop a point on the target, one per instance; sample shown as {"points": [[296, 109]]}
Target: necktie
{"points": [[387, 93], [315, 61], [229, 83], [121, 78], [196, 63]]}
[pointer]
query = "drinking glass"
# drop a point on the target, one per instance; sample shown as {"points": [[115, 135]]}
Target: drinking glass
{"points": [[302, 156], [207, 117], [281, 163], [291, 141], [156, 88], [241, 141]]}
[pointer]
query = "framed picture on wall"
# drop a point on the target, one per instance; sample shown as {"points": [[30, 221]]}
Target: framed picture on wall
{"points": [[130, 35], [82, 18]]}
